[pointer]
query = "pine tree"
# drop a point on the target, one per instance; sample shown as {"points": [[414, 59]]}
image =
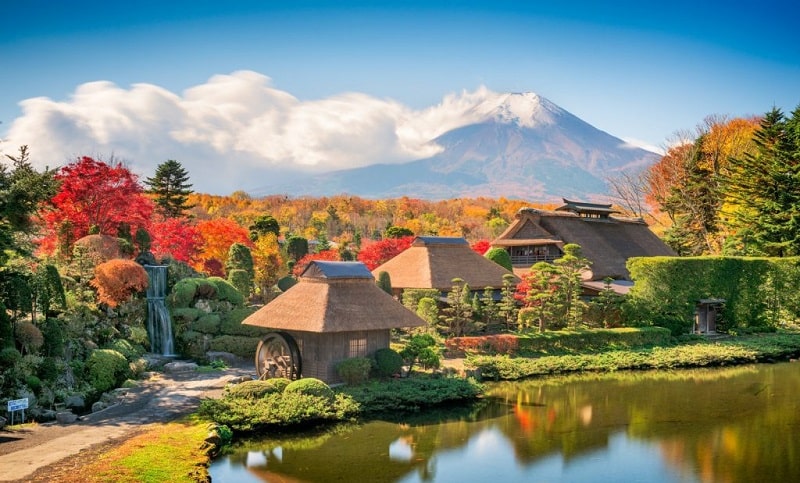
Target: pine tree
{"points": [[767, 184], [171, 189]]}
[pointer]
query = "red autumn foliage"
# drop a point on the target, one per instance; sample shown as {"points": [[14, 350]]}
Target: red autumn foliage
{"points": [[492, 344], [116, 280], [481, 246], [300, 266], [380, 252], [93, 193], [213, 268], [176, 238]]}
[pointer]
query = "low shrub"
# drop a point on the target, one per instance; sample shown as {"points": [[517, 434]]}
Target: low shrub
{"points": [[487, 344], [185, 315], [9, 357], [566, 341], [310, 386], [126, 349], [231, 323], [225, 291], [235, 344], [106, 369], [354, 370], [278, 409], [388, 362], [411, 394], [257, 389], [207, 324]]}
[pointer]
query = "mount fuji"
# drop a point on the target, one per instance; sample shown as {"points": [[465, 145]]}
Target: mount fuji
{"points": [[520, 146]]}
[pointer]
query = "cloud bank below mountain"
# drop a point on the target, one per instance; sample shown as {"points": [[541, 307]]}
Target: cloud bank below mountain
{"points": [[234, 130]]}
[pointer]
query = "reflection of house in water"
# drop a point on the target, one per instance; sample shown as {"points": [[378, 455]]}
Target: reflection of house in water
{"points": [[608, 241], [335, 311]]}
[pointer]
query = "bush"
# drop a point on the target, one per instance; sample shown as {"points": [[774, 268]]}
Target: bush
{"points": [[354, 370], [116, 280], [232, 323], [126, 349], [491, 344], [9, 357], [257, 389], [238, 345], [226, 291], [207, 324], [241, 281], [310, 386], [34, 383], [29, 337], [106, 369], [500, 257], [388, 362], [411, 394]]}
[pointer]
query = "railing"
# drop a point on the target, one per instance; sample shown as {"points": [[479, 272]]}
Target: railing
{"points": [[531, 259]]}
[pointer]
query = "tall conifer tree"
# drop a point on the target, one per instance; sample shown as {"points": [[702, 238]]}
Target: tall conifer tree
{"points": [[171, 189]]}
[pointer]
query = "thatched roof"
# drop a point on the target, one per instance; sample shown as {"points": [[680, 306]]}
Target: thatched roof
{"points": [[607, 242], [334, 297], [433, 262]]}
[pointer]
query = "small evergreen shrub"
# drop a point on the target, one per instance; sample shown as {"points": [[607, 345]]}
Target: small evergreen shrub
{"points": [[354, 370], [183, 293], [388, 362], [207, 324], [186, 315], [241, 280], [235, 344], [226, 291], [500, 256], [34, 383], [9, 357], [126, 349], [311, 387], [231, 323], [257, 389], [106, 369]]}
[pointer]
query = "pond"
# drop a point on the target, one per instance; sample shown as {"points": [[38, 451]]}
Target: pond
{"points": [[739, 424]]}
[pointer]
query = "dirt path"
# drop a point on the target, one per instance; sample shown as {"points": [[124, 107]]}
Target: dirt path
{"points": [[31, 454]]}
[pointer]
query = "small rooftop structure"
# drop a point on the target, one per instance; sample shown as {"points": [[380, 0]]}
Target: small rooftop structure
{"points": [[335, 311], [433, 262], [587, 210]]}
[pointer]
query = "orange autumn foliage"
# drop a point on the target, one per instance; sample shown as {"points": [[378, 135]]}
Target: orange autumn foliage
{"points": [[116, 280]]}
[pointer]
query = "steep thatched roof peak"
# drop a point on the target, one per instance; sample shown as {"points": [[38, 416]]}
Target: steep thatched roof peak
{"points": [[334, 297]]}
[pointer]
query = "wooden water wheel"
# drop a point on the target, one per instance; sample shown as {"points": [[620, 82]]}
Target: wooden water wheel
{"points": [[277, 355]]}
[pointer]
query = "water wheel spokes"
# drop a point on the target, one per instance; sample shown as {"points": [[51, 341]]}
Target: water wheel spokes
{"points": [[277, 355]]}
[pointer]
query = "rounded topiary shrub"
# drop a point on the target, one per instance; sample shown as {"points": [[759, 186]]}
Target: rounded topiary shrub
{"points": [[226, 291], [257, 389], [126, 349], [207, 324], [235, 344], [354, 370], [500, 257], [106, 369], [310, 386], [9, 357], [388, 362]]}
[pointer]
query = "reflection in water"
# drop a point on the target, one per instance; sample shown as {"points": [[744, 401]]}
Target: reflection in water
{"points": [[721, 425]]}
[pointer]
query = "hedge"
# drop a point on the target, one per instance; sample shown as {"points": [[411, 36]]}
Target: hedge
{"points": [[757, 291]]}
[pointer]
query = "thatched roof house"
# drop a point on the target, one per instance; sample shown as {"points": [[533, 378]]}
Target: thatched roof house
{"points": [[335, 311], [433, 262], [608, 241]]}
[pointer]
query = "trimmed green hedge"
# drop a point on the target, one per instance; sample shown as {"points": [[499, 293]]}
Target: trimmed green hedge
{"points": [[235, 344], [594, 340], [758, 291]]}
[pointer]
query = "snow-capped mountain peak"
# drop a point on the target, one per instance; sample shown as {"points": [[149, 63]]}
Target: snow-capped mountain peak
{"points": [[525, 109]]}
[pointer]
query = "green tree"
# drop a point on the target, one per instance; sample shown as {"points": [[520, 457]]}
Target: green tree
{"points": [[385, 282], [500, 256], [569, 271], [540, 293], [507, 308], [171, 189], [457, 315], [397, 232], [241, 259], [296, 247], [262, 225], [428, 310], [421, 349], [766, 185]]}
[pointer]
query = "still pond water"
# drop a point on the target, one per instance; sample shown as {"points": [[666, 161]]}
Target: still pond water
{"points": [[738, 424]]}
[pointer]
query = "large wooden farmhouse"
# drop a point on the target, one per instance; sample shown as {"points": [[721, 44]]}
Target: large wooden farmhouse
{"points": [[433, 262], [608, 241], [336, 311]]}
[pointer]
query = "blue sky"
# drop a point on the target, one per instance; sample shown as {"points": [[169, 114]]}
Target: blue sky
{"points": [[639, 71]]}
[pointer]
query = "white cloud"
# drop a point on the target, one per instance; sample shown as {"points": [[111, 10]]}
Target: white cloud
{"points": [[236, 127]]}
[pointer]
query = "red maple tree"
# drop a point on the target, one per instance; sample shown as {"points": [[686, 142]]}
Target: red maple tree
{"points": [[176, 238], [93, 194], [481, 246], [380, 252], [217, 237], [116, 280]]}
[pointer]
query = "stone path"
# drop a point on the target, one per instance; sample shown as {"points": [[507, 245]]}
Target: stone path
{"points": [[158, 399]]}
